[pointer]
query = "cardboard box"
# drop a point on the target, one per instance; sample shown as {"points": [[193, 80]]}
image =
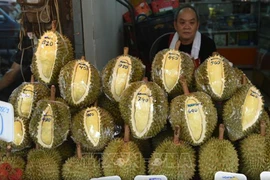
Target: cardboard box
{"points": [[161, 6]]}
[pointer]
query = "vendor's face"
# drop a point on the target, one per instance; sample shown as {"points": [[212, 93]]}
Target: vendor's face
{"points": [[186, 25]]}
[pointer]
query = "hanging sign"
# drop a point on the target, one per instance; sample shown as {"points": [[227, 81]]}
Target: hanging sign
{"points": [[6, 122], [229, 176], [151, 177]]}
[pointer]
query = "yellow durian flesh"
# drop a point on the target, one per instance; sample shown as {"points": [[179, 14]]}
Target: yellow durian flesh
{"points": [[19, 131], [25, 101]]}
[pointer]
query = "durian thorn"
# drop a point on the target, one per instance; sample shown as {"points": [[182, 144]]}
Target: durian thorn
{"points": [[79, 150], [126, 133], [184, 84], [221, 131], [8, 150], [53, 93], [54, 25], [126, 51], [263, 128], [177, 45], [32, 79], [145, 79], [244, 79], [83, 58], [176, 135]]}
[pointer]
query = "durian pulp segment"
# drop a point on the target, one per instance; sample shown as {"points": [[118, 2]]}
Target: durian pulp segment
{"points": [[92, 125], [46, 55], [171, 65], [251, 108], [195, 119], [46, 128], [19, 131], [215, 69], [142, 110], [120, 77], [80, 81], [25, 101]]}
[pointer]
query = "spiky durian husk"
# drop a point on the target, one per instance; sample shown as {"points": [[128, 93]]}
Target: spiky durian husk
{"points": [[63, 55], [61, 124], [160, 137], [178, 112], [159, 110], [43, 164], [254, 156], [136, 74], [175, 161], [264, 117], [106, 133], [217, 155], [232, 115], [39, 91], [123, 159], [84, 168], [230, 80], [66, 85], [187, 69], [14, 161]]}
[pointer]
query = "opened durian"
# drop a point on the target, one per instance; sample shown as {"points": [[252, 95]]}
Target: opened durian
{"points": [[119, 73], [79, 83], [174, 159], [196, 115], [93, 128], [53, 52], [217, 78], [217, 155], [168, 66], [144, 107], [242, 112]]}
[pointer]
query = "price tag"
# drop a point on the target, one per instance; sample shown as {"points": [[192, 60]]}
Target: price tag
{"points": [[108, 178], [229, 176], [265, 175], [6, 122], [150, 177]]}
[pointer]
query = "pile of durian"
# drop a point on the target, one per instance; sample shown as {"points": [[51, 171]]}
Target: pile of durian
{"points": [[75, 122]]}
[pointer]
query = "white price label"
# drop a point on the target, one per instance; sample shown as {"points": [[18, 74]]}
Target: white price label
{"points": [[265, 175], [151, 177], [6, 122], [229, 176], [108, 178]]}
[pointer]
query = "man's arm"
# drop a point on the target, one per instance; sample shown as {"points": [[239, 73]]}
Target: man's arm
{"points": [[10, 76]]}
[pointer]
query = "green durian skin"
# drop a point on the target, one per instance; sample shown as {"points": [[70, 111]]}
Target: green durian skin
{"points": [[43, 164], [232, 115], [160, 137], [84, 168], [63, 56], [160, 107], [14, 161], [136, 74], [178, 161], [128, 153], [62, 121], [230, 78], [187, 69], [217, 155], [40, 91], [177, 116], [106, 130], [254, 156], [65, 85]]}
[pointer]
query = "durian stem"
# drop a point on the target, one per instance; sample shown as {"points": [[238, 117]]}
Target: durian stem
{"points": [[32, 79], [126, 133], [126, 51], [177, 45], [96, 103], [184, 85], [176, 135], [244, 79], [83, 58], [37, 146], [221, 131], [8, 150], [54, 25], [79, 151], [263, 128], [145, 79], [53, 93]]}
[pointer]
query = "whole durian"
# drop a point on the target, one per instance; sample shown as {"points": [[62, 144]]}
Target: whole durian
{"points": [[217, 78], [93, 128], [174, 159], [144, 107], [195, 114], [119, 73], [242, 111], [53, 51], [14, 160], [168, 66], [217, 155], [79, 83]]}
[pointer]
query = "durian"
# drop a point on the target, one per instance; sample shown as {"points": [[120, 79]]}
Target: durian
{"points": [[14, 160], [166, 133], [79, 83], [217, 78], [119, 73], [144, 107]]}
